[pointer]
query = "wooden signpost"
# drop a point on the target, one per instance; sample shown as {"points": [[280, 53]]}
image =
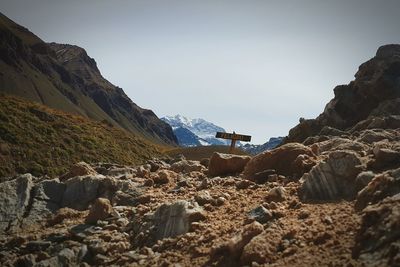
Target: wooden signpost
{"points": [[234, 137]]}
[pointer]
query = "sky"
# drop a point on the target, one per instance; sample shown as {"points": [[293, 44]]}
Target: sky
{"points": [[254, 67]]}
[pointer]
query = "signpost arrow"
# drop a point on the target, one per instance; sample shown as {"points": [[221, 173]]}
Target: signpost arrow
{"points": [[234, 137]]}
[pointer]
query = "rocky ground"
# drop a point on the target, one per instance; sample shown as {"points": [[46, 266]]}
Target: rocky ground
{"points": [[332, 201]]}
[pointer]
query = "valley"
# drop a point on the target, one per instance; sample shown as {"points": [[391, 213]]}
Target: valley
{"points": [[89, 178]]}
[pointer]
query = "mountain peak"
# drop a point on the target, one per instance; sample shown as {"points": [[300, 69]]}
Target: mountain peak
{"points": [[204, 130]]}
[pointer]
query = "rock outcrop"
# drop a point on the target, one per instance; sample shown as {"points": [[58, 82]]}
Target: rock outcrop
{"points": [[378, 239], [372, 95], [15, 198]]}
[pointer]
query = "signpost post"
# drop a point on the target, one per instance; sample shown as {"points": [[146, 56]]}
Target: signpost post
{"points": [[234, 137]]}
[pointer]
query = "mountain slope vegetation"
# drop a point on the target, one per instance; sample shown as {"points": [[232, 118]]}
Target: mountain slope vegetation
{"points": [[41, 140]]}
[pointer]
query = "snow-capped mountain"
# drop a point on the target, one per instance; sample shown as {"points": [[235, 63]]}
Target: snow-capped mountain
{"points": [[202, 129]]}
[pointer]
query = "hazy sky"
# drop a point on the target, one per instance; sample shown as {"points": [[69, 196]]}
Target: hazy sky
{"points": [[250, 66]]}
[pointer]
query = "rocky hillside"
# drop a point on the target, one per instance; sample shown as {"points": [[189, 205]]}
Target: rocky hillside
{"points": [[40, 140], [333, 200], [66, 78], [375, 93]]}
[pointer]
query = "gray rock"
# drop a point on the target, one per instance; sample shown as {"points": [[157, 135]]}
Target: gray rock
{"points": [[260, 214], [81, 191], [174, 219], [47, 197], [14, 201], [332, 179]]}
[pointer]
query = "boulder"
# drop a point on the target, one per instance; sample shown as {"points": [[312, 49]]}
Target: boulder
{"points": [[46, 199], [100, 210], [81, 191], [170, 220], [15, 196], [79, 169], [377, 242], [381, 186], [292, 159], [332, 179], [224, 164]]}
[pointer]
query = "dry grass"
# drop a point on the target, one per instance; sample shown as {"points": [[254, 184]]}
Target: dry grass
{"points": [[40, 140]]}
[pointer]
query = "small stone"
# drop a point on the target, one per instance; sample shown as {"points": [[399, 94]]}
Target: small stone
{"points": [[327, 220], [205, 184], [243, 184], [143, 199], [304, 214], [164, 177], [220, 201], [276, 194], [203, 198], [149, 182], [294, 204], [260, 214], [100, 210], [183, 183]]}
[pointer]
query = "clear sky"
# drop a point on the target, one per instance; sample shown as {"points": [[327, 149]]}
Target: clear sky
{"points": [[255, 67]]}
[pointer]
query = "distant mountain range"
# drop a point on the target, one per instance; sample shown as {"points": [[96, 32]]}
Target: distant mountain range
{"points": [[194, 132], [64, 77], [199, 132], [257, 149]]}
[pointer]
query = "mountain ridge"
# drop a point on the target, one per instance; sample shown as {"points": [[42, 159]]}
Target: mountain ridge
{"points": [[64, 77]]}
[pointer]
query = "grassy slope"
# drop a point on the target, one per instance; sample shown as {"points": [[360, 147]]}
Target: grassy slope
{"points": [[40, 140], [201, 152]]}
